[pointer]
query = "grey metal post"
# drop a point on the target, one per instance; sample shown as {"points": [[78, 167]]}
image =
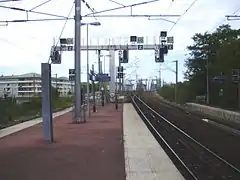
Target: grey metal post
{"points": [[207, 81], [99, 66], [46, 102], [88, 108], [77, 63], [99, 60], [83, 106], [176, 80], [160, 83], [119, 85], [93, 90], [104, 70]]}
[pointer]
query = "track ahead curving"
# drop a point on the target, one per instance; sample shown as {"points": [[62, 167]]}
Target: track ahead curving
{"points": [[217, 140], [224, 143]]}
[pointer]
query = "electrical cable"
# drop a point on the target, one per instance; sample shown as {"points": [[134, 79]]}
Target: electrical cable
{"points": [[86, 15], [4, 1], [191, 5], [117, 8], [27, 11], [63, 28], [117, 3], [89, 7], [222, 21], [43, 3]]}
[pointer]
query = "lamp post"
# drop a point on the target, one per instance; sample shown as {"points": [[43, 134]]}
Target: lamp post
{"points": [[87, 24]]}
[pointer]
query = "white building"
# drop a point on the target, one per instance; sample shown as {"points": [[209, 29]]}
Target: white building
{"points": [[28, 85]]}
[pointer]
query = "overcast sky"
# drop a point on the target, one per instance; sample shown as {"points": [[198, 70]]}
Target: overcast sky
{"points": [[25, 45]]}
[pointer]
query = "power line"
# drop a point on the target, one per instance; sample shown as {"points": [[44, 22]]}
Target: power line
{"points": [[30, 11], [233, 16], [45, 2], [191, 5], [224, 20], [162, 19], [89, 7], [117, 3], [170, 5], [63, 28], [3, 1], [86, 15], [117, 8]]}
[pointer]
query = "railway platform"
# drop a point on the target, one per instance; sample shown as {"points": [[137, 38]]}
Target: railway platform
{"points": [[89, 151], [112, 145], [144, 157]]}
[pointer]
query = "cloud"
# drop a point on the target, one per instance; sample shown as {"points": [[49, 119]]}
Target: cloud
{"points": [[25, 45]]}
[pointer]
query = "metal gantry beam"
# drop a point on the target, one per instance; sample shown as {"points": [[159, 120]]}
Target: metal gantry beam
{"points": [[109, 47], [233, 17], [90, 15], [99, 16]]}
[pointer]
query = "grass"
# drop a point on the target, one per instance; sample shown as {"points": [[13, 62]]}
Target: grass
{"points": [[12, 113]]}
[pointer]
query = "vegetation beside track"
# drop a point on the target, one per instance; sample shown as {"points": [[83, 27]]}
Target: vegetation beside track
{"points": [[12, 113], [220, 50]]}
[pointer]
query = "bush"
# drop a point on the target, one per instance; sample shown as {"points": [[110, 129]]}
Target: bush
{"points": [[13, 113]]}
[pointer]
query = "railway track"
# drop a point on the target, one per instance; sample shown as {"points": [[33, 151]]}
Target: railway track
{"points": [[193, 159]]}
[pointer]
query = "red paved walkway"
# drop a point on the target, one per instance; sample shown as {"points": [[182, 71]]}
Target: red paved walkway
{"points": [[90, 151]]}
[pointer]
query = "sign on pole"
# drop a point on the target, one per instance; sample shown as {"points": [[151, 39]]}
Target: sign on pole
{"points": [[103, 78], [170, 46], [236, 75], [56, 57], [140, 40], [140, 47], [170, 40], [71, 74], [66, 41], [163, 34]]}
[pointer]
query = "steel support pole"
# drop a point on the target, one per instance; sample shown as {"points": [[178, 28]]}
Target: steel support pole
{"points": [[93, 91], [159, 81], [77, 63], [176, 80], [207, 80], [99, 67], [119, 85], [88, 108], [46, 102], [112, 71]]}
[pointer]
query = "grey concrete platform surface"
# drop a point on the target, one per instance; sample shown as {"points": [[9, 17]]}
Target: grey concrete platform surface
{"points": [[144, 157]]}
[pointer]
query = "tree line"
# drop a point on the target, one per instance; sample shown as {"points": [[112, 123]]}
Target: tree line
{"points": [[212, 63]]}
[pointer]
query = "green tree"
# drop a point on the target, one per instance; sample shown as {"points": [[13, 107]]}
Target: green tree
{"points": [[217, 49], [55, 93]]}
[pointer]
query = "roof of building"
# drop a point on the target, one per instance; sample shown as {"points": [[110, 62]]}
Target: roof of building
{"points": [[28, 75]]}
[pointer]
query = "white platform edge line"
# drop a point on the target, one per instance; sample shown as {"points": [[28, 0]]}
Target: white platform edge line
{"points": [[149, 174], [21, 126]]}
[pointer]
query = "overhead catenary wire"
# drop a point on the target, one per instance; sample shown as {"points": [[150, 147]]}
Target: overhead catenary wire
{"points": [[31, 11], [4, 1], [118, 8], [117, 3], [163, 19], [63, 28], [222, 21], [86, 15], [89, 7], [189, 7], [41, 4]]}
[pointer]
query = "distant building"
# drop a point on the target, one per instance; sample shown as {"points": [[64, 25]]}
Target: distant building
{"points": [[29, 85]]}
